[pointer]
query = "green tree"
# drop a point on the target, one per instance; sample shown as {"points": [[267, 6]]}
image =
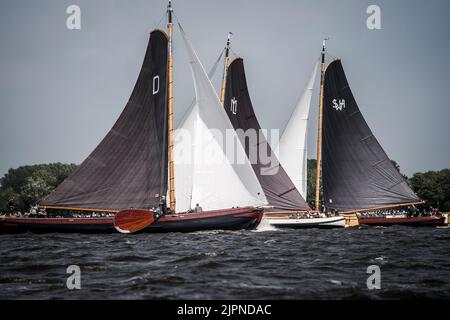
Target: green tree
{"points": [[40, 184], [26, 185], [8, 197], [311, 181], [433, 187]]}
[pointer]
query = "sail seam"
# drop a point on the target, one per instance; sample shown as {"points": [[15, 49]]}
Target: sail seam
{"points": [[286, 192], [367, 138]]}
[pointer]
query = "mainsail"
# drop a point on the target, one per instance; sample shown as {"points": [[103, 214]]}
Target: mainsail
{"points": [[292, 149], [357, 173], [128, 169], [278, 187], [206, 172]]}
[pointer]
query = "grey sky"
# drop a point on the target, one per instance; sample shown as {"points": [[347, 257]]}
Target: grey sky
{"points": [[62, 90]]}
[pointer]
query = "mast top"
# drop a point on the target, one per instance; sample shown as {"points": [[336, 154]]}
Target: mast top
{"points": [[228, 43], [229, 36], [170, 11], [324, 46], [227, 52]]}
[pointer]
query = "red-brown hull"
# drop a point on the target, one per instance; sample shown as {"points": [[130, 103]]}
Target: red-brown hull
{"points": [[428, 221], [232, 219], [63, 225]]}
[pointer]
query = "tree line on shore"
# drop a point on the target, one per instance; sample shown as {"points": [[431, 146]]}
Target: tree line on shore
{"points": [[25, 186]]}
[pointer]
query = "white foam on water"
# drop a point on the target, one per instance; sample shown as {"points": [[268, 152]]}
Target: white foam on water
{"points": [[265, 225]]}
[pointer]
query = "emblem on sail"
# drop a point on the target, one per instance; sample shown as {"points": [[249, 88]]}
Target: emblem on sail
{"points": [[339, 105], [155, 84], [233, 107]]}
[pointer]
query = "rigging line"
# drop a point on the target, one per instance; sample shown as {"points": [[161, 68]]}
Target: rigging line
{"points": [[176, 18], [234, 53], [164, 15], [329, 55]]}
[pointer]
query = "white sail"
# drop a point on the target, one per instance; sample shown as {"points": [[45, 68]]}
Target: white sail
{"points": [[292, 150], [204, 172]]}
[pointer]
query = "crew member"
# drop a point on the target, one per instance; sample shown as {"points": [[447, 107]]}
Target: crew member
{"points": [[198, 209]]}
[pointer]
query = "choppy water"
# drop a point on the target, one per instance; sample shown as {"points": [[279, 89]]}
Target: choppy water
{"points": [[273, 264]]}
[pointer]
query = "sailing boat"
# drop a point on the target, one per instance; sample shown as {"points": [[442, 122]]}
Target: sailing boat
{"points": [[132, 171], [357, 175], [287, 208]]}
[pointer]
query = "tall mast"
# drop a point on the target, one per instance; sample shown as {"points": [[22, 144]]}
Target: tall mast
{"points": [[319, 137], [170, 80], [225, 68]]}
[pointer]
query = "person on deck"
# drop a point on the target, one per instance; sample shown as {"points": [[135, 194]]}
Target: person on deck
{"points": [[163, 205], [198, 209]]}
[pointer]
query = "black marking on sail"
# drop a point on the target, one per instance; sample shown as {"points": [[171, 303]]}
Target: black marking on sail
{"points": [[278, 188], [357, 173], [127, 169]]}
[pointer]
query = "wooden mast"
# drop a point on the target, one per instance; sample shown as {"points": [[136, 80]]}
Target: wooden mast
{"points": [[319, 137], [225, 69], [170, 107]]}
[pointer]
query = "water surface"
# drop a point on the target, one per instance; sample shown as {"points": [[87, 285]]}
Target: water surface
{"points": [[270, 264]]}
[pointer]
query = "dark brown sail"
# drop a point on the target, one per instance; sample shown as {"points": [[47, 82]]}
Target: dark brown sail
{"points": [[357, 173], [128, 169], [278, 187]]}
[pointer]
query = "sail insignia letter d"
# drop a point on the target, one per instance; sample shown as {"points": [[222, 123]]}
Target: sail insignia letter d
{"points": [[155, 84]]}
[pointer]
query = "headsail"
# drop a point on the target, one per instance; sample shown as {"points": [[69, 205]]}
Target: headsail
{"points": [[128, 169], [292, 149], [278, 187], [357, 173], [205, 172]]}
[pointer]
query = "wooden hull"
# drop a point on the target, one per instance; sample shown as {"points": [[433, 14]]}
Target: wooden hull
{"points": [[284, 221], [428, 221], [60, 225], [232, 219]]}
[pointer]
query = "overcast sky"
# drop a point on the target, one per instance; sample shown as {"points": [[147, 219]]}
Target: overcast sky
{"points": [[61, 90]]}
